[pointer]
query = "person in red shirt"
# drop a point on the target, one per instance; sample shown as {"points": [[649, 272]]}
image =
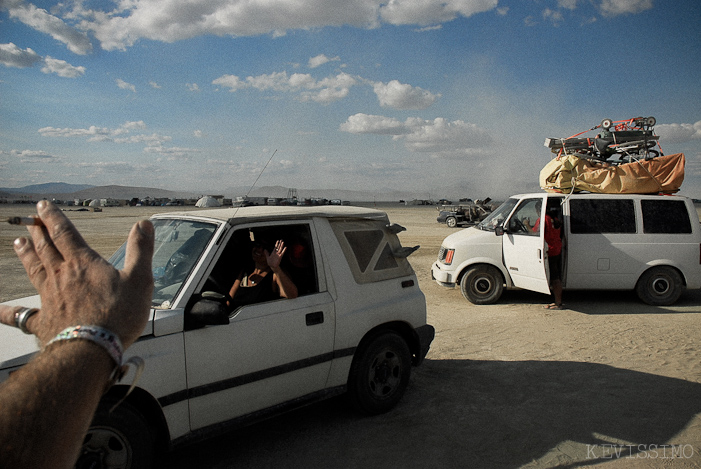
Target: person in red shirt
{"points": [[554, 241]]}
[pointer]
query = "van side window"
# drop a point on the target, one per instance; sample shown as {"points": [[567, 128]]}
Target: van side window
{"points": [[665, 216], [602, 216]]}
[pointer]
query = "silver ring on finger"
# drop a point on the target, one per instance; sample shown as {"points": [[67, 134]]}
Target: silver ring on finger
{"points": [[21, 318]]}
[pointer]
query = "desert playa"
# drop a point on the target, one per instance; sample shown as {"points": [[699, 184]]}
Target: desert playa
{"points": [[609, 382]]}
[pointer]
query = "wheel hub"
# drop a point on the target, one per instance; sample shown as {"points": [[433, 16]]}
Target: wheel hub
{"points": [[483, 285], [384, 374], [660, 286]]}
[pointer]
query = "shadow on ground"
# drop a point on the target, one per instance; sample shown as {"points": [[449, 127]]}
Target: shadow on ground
{"points": [[603, 301], [463, 413]]}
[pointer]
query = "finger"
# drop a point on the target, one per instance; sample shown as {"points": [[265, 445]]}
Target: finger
{"points": [[24, 248], [139, 254], [7, 314], [59, 234]]}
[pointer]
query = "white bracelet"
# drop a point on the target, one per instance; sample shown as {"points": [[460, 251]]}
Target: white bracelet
{"points": [[99, 335]]}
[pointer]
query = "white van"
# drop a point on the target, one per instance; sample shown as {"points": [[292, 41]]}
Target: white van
{"points": [[648, 243]]}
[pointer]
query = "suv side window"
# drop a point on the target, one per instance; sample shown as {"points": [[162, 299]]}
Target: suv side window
{"points": [[665, 216], [602, 216], [368, 247], [299, 260]]}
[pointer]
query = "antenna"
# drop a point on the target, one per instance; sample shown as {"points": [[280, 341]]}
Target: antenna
{"points": [[261, 173]]}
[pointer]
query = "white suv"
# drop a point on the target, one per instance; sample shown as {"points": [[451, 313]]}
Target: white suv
{"points": [[357, 326]]}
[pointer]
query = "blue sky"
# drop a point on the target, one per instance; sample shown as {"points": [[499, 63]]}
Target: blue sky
{"points": [[438, 97]]}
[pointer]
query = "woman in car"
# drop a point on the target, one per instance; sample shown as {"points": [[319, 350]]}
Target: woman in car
{"points": [[264, 280]]}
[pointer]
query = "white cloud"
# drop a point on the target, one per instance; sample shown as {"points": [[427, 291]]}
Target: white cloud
{"points": [[320, 60], [368, 124], [679, 133], [41, 20], [232, 82], [553, 15], [13, 56], [173, 20], [31, 155], [322, 91], [193, 86], [402, 96], [170, 151], [67, 132], [437, 137], [154, 85], [432, 11], [124, 85], [103, 134], [620, 7], [61, 68]]}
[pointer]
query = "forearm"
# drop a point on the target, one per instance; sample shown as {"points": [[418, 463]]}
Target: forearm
{"points": [[47, 406], [286, 286]]}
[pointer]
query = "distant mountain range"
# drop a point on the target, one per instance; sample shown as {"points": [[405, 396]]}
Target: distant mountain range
{"points": [[47, 188], [61, 190]]}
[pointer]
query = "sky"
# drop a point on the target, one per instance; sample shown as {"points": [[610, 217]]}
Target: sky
{"points": [[435, 97]]}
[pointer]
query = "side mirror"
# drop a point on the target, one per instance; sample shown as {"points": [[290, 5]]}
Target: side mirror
{"points": [[499, 230], [210, 310]]}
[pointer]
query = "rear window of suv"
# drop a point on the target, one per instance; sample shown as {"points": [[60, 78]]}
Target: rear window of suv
{"points": [[665, 216], [368, 247]]}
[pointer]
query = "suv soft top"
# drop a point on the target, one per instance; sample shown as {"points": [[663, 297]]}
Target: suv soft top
{"points": [[238, 215]]}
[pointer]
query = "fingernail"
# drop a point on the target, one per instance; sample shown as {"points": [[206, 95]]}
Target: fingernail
{"points": [[41, 205], [20, 243], [145, 227]]}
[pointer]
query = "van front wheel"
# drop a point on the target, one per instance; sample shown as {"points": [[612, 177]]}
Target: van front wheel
{"points": [[660, 286], [482, 285]]}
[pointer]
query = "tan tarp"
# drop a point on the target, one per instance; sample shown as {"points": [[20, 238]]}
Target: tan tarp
{"points": [[662, 174]]}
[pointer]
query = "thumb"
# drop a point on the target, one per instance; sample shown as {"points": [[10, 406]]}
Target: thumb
{"points": [[139, 254]]}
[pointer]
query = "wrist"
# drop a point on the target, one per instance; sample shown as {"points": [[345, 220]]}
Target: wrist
{"points": [[99, 336]]}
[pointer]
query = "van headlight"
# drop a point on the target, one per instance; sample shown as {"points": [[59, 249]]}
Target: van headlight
{"points": [[446, 255]]}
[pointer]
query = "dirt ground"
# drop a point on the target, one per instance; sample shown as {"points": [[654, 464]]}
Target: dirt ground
{"points": [[610, 382]]}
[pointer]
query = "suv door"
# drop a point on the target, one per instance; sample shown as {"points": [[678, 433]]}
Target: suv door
{"points": [[525, 255], [269, 353]]}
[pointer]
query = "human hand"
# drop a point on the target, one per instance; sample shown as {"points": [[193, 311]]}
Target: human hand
{"points": [[275, 258], [77, 286]]}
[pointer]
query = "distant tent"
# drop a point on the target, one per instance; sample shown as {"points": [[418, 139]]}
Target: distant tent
{"points": [[94, 203], [208, 202]]}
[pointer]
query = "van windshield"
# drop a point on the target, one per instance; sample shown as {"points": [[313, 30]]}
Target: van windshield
{"points": [[497, 217]]}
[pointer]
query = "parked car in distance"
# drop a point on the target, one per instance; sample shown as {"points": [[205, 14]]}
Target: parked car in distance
{"points": [[357, 327], [468, 213], [647, 243]]}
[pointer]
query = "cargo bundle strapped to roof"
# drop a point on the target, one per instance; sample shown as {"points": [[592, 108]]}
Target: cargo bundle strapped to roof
{"points": [[624, 158]]}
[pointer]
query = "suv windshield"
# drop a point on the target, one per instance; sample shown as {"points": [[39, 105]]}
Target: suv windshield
{"points": [[496, 218], [178, 246]]}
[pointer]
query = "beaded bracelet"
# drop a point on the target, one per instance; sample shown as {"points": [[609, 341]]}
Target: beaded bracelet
{"points": [[111, 343], [101, 336]]}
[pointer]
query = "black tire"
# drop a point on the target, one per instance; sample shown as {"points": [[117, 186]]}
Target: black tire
{"points": [[451, 222], [379, 374], [660, 286], [118, 439], [482, 285]]}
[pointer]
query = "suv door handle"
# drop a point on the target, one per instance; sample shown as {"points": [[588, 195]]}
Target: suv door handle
{"points": [[315, 318]]}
